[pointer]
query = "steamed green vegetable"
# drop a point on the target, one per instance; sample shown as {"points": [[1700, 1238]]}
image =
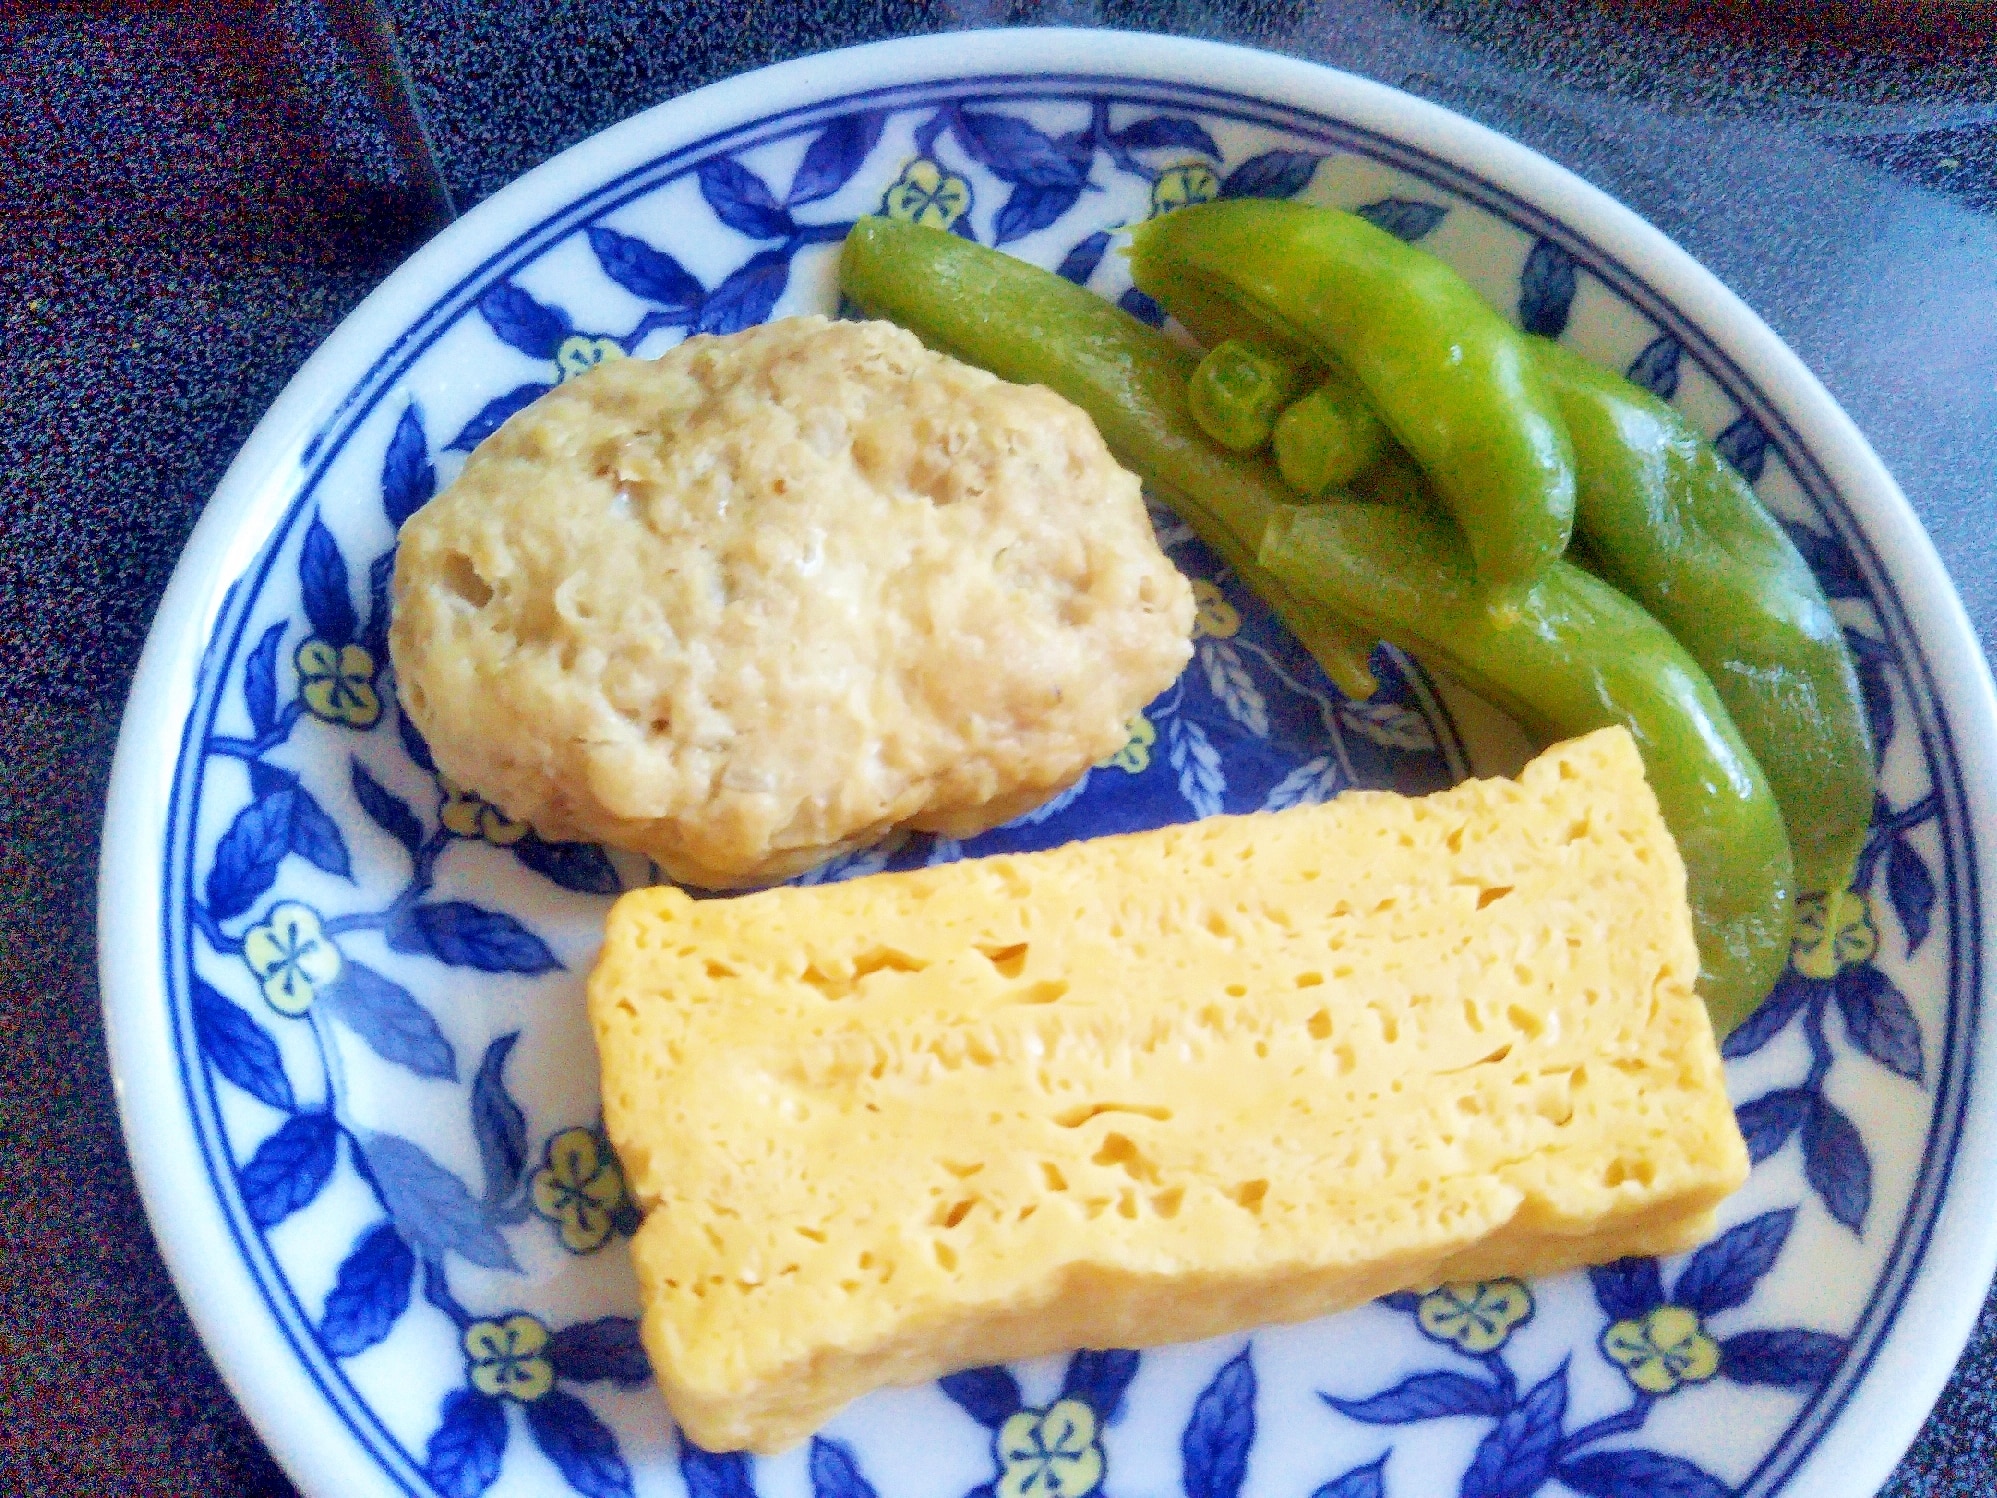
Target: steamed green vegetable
{"points": [[1026, 324], [1327, 439], [1239, 390], [1454, 382], [1571, 655], [1672, 525]]}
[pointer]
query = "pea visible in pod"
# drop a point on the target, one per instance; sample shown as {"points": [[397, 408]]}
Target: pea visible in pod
{"points": [[1572, 655], [1670, 523], [1454, 382], [1327, 439]]}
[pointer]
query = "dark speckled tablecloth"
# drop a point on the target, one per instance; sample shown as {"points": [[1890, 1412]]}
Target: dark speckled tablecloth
{"points": [[193, 195]]}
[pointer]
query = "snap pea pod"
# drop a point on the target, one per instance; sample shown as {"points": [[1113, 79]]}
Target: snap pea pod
{"points": [[1573, 655], [1452, 379], [1239, 390], [1327, 439], [1028, 325], [1671, 524]]}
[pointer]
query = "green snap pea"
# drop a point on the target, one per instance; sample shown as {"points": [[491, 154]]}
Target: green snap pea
{"points": [[1571, 654], [1670, 523], [1453, 381], [1327, 439], [1030, 326], [1238, 391]]}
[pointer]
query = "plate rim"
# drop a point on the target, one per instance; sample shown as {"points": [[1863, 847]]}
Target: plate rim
{"points": [[306, 1433]]}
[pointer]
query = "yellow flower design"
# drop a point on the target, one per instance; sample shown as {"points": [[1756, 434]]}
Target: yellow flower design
{"points": [[509, 1358], [580, 1188], [926, 194], [1662, 1350], [1134, 758], [292, 956], [1050, 1453], [1214, 616], [581, 353], [1188, 182], [468, 814], [1477, 1317], [337, 683], [1833, 932]]}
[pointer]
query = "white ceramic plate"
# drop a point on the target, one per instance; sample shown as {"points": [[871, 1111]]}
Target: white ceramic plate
{"points": [[344, 999]]}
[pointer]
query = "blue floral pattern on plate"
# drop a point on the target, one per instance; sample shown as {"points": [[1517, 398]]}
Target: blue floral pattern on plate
{"points": [[368, 950]]}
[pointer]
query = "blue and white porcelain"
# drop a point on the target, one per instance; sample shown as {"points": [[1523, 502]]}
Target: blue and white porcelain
{"points": [[344, 994]]}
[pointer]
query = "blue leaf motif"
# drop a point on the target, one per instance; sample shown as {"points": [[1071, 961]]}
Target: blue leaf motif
{"points": [[607, 1348], [464, 1454], [1369, 1481], [742, 200], [582, 867], [247, 855], [1080, 263], [465, 935], [1878, 1019], [238, 1047], [1100, 1379], [260, 679], [989, 1396], [1404, 1301], [322, 576], [522, 322], [430, 1206], [387, 1016], [1166, 130], [835, 154], [1426, 1396], [1832, 562], [381, 573], [1635, 1473], [1514, 1459], [580, 1445], [370, 1293], [1142, 307], [315, 837], [1790, 993], [1656, 368], [1723, 1274], [747, 297], [290, 1167], [1546, 290], [835, 1473], [647, 273], [1222, 1428], [498, 1123], [492, 415], [1789, 1358], [1273, 174], [1197, 764], [1404, 218], [407, 479], [1836, 1165], [412, 743], [1311, 783], [1029, 208], [1627, 1288], [1911, 888], [1014, 151], [1768, 1122], [710, 1474], [1871, 659], [1745, 446], [388, 811]]}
